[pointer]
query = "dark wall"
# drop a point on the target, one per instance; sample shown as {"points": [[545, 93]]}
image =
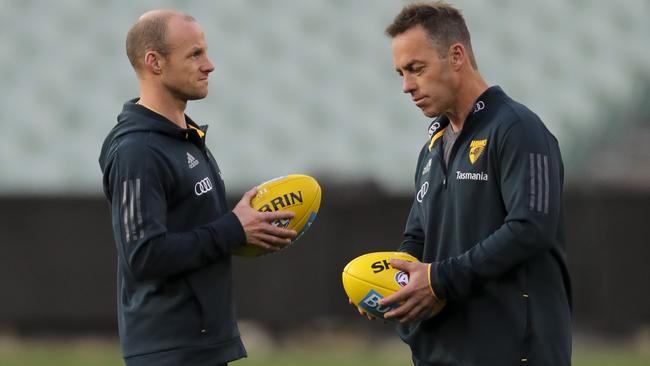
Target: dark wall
{"points": [[608, 232], [57, 262]]}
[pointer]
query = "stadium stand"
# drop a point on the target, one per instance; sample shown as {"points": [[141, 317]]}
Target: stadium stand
{"points": [[319, 70]]}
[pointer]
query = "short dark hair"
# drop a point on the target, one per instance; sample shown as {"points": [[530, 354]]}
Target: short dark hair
{"points": [[443, 23], [149, 34]]}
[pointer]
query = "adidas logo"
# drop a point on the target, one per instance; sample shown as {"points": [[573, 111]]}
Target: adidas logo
{"points": [[427, 167], [191, 161]]}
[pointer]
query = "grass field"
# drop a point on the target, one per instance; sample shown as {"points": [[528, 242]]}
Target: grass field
{"points": [[333, 352]]}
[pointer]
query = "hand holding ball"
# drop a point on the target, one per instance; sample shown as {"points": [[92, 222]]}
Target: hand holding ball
{"points": [[369, 278], [297, 193]]}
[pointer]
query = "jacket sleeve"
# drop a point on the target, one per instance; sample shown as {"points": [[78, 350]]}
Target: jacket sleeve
{"points": [[531, 178], [138, 181], [413, 242]]}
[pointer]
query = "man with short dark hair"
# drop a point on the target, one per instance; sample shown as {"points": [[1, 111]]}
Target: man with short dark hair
{"points": [[172, 226], [486, 221]]}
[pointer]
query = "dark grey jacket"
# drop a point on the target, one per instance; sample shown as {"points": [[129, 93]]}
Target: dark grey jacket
{"points": [[491, 224], [174, 234]]}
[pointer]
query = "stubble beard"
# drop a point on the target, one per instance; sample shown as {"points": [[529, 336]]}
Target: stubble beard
{"points": [[184, 94]]}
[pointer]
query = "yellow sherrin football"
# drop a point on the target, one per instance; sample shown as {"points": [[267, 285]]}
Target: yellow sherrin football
{"points": [[370, 277], [298, 193]]}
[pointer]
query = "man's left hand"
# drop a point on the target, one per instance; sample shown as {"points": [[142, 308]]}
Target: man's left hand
{"points": [[417, 297]]}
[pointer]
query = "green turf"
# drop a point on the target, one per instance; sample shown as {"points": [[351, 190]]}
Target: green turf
{"points": [[59, 354], [610, 356], [319, 359], [107, 354], [329, 358]]}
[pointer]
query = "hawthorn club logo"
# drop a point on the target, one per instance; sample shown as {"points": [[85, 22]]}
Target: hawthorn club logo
{"points": [[476, 148]]}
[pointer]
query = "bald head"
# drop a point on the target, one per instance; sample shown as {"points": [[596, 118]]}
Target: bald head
{"points": [[149, 33]]}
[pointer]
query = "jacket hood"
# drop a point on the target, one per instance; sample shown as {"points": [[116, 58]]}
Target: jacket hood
{"points": [[137, 118]]}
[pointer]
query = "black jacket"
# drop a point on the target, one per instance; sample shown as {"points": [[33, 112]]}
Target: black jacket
{"points": [[174, 235], [491, 224]]}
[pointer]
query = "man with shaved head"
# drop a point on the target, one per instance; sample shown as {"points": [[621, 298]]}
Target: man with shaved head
{"points": [[173, 230]]}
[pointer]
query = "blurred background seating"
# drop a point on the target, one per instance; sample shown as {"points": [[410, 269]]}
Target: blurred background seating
{"points": [[309, 87]]}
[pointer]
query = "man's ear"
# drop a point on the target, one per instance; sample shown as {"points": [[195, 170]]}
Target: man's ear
{"points": [[456, 56], [153, 61]]}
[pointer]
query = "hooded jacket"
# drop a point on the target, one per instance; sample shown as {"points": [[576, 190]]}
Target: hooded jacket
{"points": [[174, 234], [491, 225]]}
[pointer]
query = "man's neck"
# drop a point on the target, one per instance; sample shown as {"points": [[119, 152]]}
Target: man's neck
{"points": [[467, 96], [165, 105]]}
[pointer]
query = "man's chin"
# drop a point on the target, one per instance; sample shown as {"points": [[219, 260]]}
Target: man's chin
{"points": [[429, 114], [189, 95], [197, 96]]}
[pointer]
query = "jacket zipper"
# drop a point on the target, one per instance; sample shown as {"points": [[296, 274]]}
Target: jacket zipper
{"points": [[213, 173], [217, 180], [441, 160]]}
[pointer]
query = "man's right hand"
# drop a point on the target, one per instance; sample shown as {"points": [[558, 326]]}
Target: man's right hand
{"points": [[259, 227]]}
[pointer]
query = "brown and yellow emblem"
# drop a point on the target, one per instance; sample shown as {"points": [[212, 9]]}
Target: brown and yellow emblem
{"points": [[476, 148]]}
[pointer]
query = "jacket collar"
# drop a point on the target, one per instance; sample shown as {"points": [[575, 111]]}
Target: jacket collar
{"points": [[481, 110], [148, 120]]}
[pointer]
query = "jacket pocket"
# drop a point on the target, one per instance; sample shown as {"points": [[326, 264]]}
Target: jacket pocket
{"points": [[525, 296], [200, 310]]}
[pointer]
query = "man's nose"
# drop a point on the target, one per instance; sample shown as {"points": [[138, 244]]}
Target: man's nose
{"points": [[209, 66], [408, 84]]}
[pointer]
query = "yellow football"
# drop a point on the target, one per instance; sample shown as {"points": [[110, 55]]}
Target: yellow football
{"points": [[370, 277], [297, 193]]}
